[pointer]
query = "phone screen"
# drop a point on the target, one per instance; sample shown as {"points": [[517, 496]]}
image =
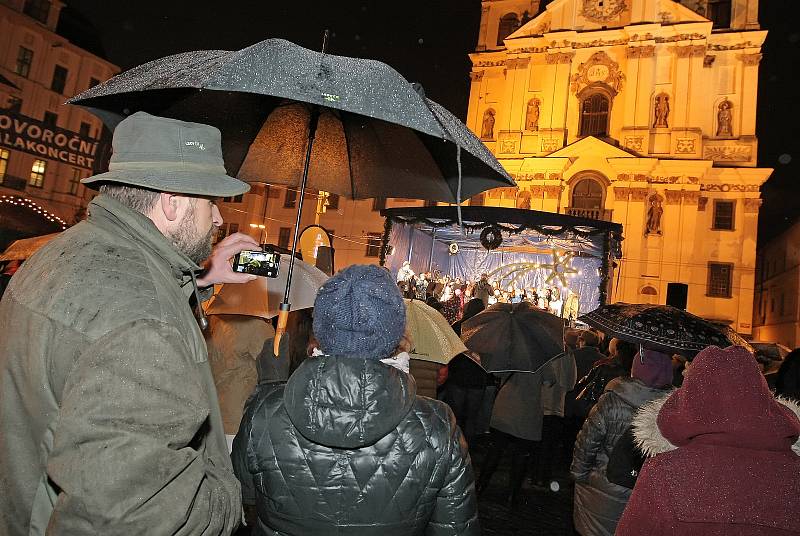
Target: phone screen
{"points": [[263, 263]]}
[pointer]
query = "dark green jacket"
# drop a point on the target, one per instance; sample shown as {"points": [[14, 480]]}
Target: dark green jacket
{"points": [[346, 447], [109, 422]]}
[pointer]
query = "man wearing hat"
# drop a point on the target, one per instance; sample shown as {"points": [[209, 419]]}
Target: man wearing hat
{"points": [[109, 422]]}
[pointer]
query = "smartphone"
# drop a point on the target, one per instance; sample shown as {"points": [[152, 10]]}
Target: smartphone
{"points": [[263, 263]]}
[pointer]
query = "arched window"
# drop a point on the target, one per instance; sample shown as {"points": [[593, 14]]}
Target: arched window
{"points": [[594, 115], [649, 294], [508, 25], [587, 194]]}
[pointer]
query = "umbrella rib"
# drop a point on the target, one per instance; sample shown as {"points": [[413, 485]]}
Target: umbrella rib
{"points": [[349, 158]]}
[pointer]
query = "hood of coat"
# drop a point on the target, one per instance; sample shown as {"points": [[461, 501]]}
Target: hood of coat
{"points": [[347, 402], [724, 400], [634, 392]]}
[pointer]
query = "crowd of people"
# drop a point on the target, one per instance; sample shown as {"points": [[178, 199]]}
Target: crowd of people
{"points": [[113, 421], [453, 293]]}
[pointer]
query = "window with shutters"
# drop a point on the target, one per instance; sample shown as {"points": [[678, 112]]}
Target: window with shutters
{"points": [[724, 212], [594, 115], [720, 279]]}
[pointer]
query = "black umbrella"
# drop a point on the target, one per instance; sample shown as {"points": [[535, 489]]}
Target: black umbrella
{"points": [[289, 115], [661, 327], [514, 337]]}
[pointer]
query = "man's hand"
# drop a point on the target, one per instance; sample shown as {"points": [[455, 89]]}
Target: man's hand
{"points": [[217, 268]]}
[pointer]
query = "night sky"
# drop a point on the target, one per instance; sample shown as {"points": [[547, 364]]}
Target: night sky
{"points": [[427, 41]]}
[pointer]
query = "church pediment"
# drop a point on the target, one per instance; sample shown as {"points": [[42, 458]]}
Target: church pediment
{"points": [[602, 14], [591, 146]]}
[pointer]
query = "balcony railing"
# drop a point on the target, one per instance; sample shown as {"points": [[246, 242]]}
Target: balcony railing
{"points": [[590, 213]]}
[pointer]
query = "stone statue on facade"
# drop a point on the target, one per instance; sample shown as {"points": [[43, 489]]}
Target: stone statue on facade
{"points": [[661, 111], [487, 130], [532, 115], [654, 213], [725, 119]]}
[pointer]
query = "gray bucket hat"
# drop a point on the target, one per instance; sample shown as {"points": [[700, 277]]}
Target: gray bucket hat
{"points": [[169, 156]]}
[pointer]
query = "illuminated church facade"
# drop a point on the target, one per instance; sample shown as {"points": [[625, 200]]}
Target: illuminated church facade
{"points": [[641, 112]]}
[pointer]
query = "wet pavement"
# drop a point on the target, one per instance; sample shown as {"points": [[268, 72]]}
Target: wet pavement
{"points": [[543, 511]]}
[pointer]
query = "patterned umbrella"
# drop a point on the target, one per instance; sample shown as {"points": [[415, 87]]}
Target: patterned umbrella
{"points": [[661, 327], [514, 337]]}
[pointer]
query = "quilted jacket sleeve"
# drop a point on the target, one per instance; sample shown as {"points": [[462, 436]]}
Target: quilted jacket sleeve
{"points": [[129, 454], [456, 510], [590, 440]]}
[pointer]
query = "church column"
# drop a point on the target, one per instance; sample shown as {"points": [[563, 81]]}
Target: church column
{"points": [[749, 92], [639, 84], [475, 95], [558, 70]]}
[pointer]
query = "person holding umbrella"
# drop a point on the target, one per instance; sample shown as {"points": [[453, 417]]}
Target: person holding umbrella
{"points": [[346, 446], [109, 422]]}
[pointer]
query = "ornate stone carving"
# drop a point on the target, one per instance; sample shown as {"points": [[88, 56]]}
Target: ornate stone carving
{"points": [[701, 203], [725, 119], [708, 61], [550, 144], [639, 194], [673, 196], [552, 192], [602, 11], [532, 114], [685, 145], [736, 46], [476, 76], [508, 146], [487, 127], [751, 205], [517, 63], [728, 153], [750, 59], [554, 176], [690, 51], [598, 68], [490, 63], [729, 187], [621, 193], [661, 111], [537, 191], [691, 198], [634, 143], [645, 51], [559, 57]]}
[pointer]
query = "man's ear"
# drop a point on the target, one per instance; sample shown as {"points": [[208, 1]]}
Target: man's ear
{"points": [[168, 204]]}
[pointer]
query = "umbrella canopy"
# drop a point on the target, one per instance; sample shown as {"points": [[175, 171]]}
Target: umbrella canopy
{"points": [[514, 337], [262, 296], [25, 247], [433, 338], [661, 327], [377, 136]]}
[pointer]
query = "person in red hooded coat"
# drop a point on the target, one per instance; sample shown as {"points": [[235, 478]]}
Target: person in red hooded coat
{"points": [[725, 455]]}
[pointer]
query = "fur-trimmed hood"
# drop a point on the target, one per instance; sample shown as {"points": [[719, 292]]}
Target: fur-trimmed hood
{"points": [[650, 439]]}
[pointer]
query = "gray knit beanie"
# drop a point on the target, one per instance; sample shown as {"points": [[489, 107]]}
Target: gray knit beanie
{"points": [[359, 312]]}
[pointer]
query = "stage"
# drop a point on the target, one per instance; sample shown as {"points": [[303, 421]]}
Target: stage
{"points": [[527, 250]]}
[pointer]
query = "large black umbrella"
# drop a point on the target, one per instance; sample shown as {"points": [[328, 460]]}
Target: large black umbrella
{"points": [[289, 115], [661, 327], [514, 337]]}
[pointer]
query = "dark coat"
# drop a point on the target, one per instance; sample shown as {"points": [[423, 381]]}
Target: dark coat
{"points": [[598, 502], [346, 447], [725, 461], [109, 421]]}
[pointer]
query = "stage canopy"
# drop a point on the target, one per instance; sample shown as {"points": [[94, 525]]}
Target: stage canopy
{"points": [[536, 250]]}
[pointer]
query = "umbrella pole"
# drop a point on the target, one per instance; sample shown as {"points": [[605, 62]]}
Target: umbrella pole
{"points": [[285, 307]]}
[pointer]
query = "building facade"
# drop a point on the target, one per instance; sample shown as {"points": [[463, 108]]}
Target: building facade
{"points": [[46, 148], [641, 112], [776, 315]]}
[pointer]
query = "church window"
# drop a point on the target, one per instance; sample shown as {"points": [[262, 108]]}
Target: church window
{"points": [[724, 212], [508, 25], [587, 194], [719, 12], [720, 279], [594, 115]]}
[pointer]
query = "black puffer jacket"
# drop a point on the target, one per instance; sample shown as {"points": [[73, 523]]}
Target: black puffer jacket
{"points": [[346, 447], [598, 502]]}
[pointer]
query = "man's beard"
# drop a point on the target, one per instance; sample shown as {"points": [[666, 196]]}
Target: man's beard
{"points": [[187, 242]]}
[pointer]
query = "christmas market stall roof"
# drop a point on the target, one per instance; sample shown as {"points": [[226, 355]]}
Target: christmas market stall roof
{"points": [[501, 240]]}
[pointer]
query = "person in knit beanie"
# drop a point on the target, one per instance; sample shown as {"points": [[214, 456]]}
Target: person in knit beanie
{"points": [[652, 368], [346, 446], [359, 312]]}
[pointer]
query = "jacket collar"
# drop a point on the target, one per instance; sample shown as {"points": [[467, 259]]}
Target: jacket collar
{"points": [[650, 439], [109, 213]]}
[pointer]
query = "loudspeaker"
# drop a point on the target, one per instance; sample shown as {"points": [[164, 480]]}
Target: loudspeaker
{"points": [[325, 259], [677, 295]]}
